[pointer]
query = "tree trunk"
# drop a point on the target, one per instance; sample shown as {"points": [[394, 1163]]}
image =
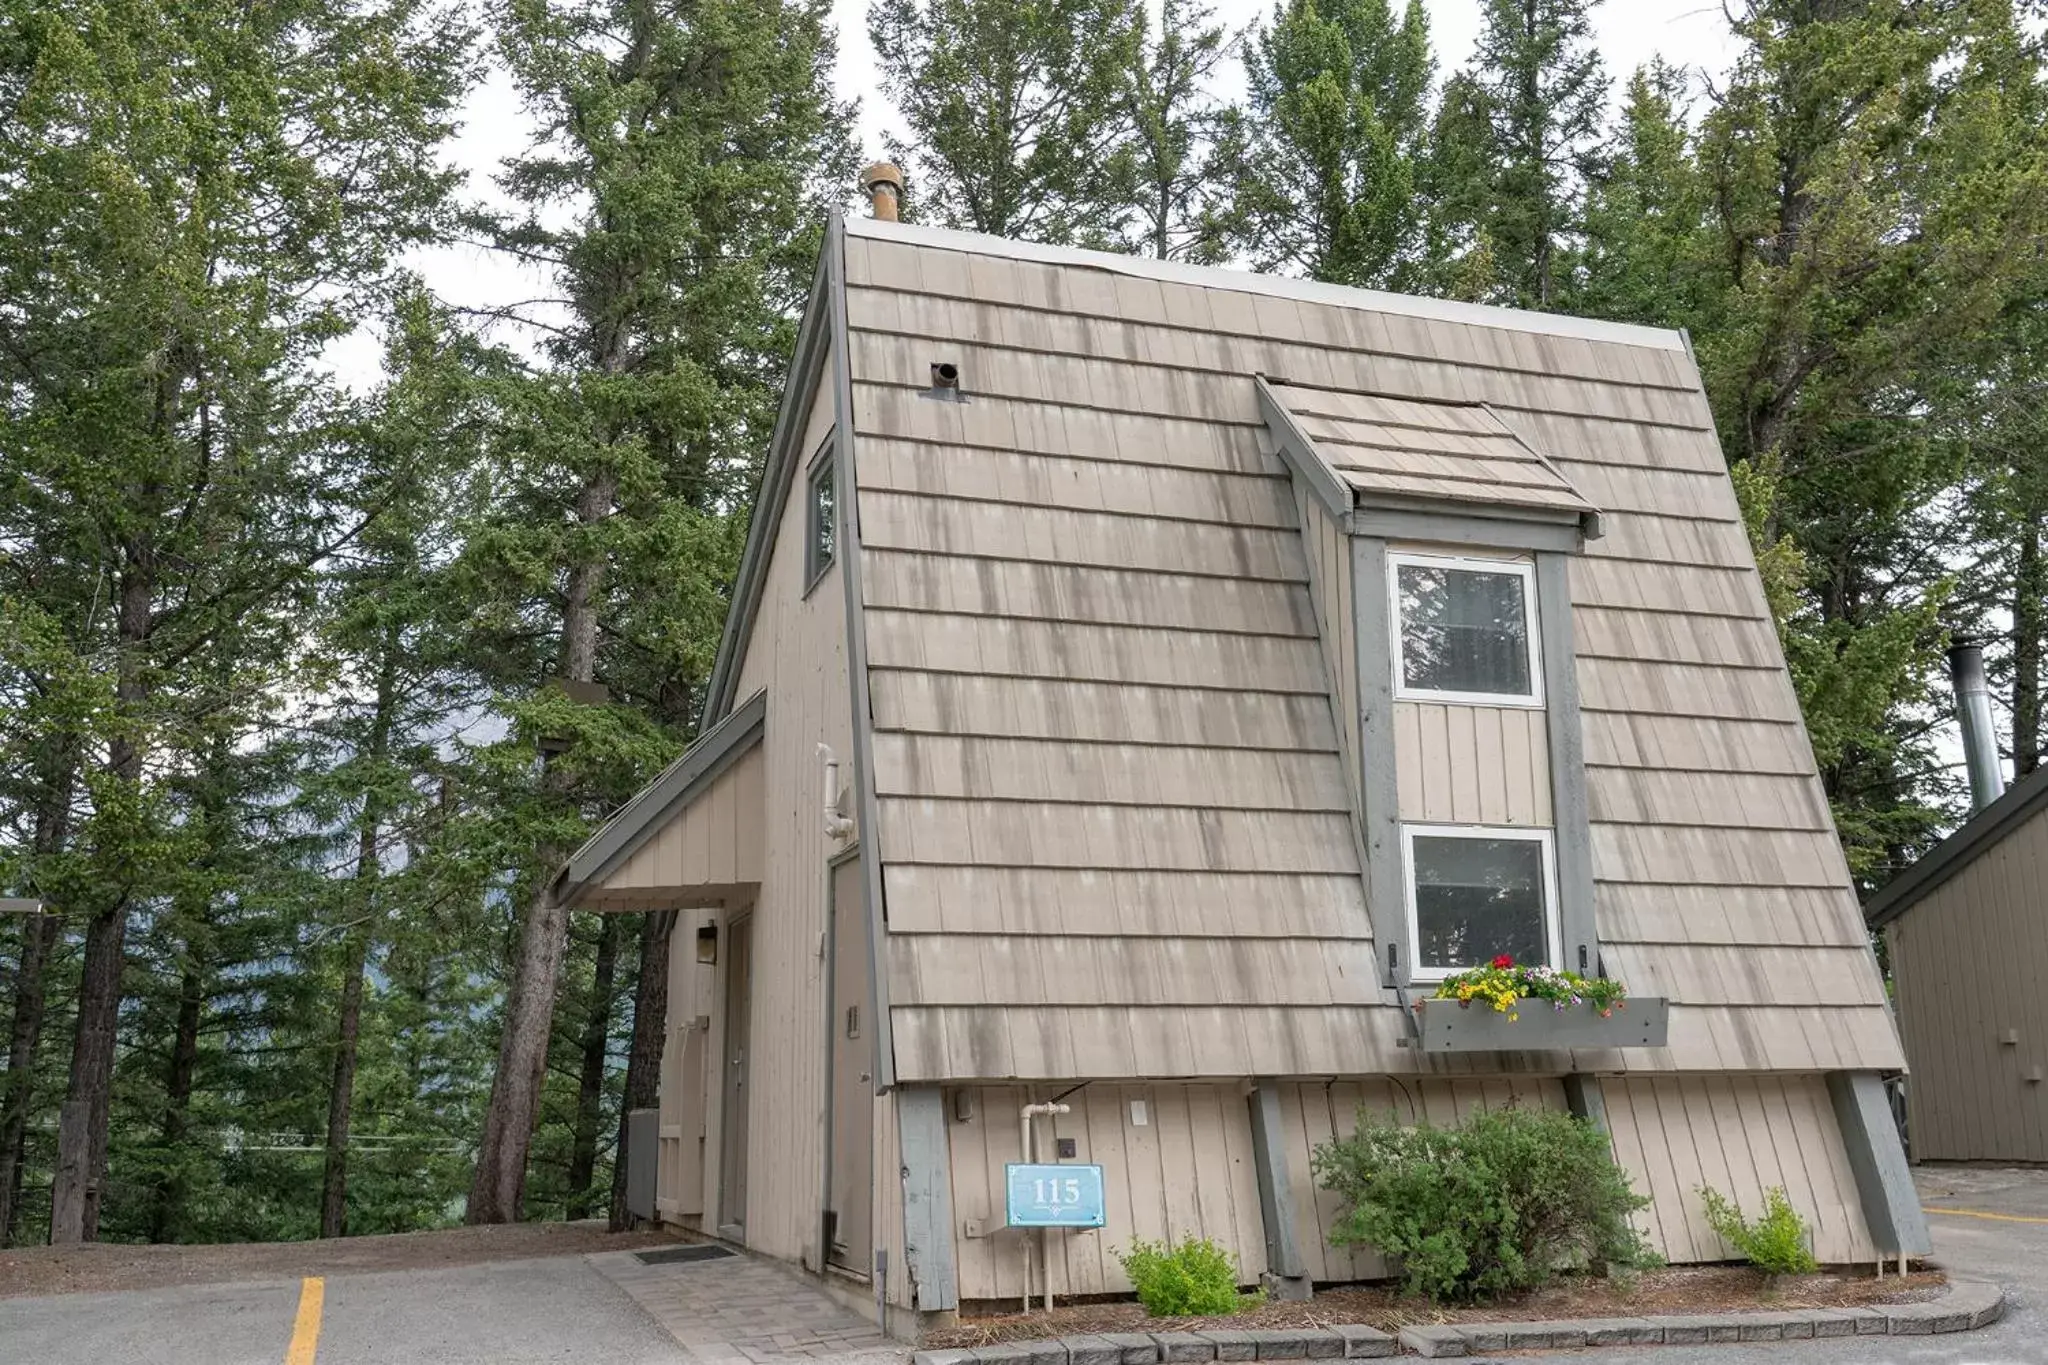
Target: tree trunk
{"points": [[31, 998], [341, 1089], [169, 1201], [597, 1032], [650, 1034], [82, 1145], [499, 1188], [2029, 585], [355, 959]]}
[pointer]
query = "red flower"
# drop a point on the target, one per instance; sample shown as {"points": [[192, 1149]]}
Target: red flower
{"points": [[1504, 961]]}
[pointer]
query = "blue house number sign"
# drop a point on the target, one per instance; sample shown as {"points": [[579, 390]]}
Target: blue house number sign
{"points": [[1055, 1196]]}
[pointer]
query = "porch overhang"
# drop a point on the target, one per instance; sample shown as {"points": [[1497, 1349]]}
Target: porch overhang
{"points": [[691, 837]]}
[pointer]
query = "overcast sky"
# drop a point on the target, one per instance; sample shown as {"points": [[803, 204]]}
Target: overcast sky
{"points": [[1687, 32]]}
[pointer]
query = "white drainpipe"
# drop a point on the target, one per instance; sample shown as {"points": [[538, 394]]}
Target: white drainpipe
{"points": [[1027, 1148], [837, 826]]}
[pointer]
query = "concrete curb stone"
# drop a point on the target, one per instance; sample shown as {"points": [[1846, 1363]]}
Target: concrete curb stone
{"points": [[1176, 1348], [1365, 1343], [1093, 1350], [1232, 1345], [1968, 1305]]}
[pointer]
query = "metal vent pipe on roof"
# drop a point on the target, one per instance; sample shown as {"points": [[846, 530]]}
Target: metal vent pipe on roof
{"points": [[883, 185], [1973, 713]]}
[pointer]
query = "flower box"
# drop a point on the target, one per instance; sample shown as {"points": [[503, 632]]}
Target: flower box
{"points": [[1540, 1026]]}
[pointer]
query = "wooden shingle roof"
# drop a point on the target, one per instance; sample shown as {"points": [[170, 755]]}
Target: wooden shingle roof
{"points": [[1114, 824]]}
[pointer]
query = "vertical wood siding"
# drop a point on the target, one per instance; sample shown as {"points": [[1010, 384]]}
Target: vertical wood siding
{"points": [[1740, 1135], [1967, 967], [1186, 1170], [680, 1192], [1472, 765]]}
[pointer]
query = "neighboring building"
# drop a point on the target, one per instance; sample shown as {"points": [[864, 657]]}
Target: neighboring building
{"points": [[1213, 660], [1966, 929]]}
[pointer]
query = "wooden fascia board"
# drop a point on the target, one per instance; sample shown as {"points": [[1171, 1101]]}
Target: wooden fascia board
{"points": [[1300, 455], [848, 505], [679, 784], [813, 347]]}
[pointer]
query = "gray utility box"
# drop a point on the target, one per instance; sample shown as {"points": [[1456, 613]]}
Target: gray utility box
{"points": [[643, 1152], [1459, 1026]]}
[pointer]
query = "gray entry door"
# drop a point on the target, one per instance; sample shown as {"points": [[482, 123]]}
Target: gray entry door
{"points": [[853, 1079], [739, 1001]]}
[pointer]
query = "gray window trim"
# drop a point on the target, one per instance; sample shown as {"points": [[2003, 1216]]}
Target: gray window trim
{"points": [[1568, 804], [816, 565], [1381, 817], [1461, 529]]}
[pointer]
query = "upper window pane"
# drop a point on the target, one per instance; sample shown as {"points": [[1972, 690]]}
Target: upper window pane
{"points": [[823, 523], [1478, 897], [1464, 628]]}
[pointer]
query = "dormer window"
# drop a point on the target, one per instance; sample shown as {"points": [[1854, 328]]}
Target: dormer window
{"points": [[1464, 630]]}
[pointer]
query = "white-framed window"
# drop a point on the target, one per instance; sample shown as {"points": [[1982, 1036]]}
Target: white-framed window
{"points": [[1477, 891], [1464, 629], [821, 523]]}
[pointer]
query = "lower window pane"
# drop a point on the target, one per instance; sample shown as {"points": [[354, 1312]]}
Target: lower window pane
{"points": [[1476, 898]]}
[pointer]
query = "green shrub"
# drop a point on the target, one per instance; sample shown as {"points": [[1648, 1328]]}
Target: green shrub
{"points": [[1500, 1204], [1194, 1279], [1778, 1243]]}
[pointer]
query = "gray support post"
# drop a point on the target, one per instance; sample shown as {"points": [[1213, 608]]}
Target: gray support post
{"points": [[1286, 1277], [1372, 643], [1878, 1160], [927, 1198], [1582, 1096], [1569, 818]]}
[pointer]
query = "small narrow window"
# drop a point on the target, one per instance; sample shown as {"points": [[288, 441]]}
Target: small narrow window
{"points": [[824, 526], [1476, 893], [1464, 629]]}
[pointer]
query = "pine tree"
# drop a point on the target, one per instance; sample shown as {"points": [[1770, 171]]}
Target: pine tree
{"points": [[1534, 111], [1876, 178], [1646, 256], [1338, 108], [1020, 115], [198, 197], [699, 141], [1187, 146]]}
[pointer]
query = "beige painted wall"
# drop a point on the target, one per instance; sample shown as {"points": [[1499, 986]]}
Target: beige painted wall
{"points": [[798, 651], [1966, 967]]}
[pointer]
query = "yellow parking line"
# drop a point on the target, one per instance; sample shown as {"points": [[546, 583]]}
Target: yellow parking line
{"points": [[306, 1327], [1995, 1217]]}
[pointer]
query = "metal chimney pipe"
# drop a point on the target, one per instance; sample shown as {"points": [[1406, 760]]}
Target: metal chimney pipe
{"points": [[883, 185], [1973, 712]]}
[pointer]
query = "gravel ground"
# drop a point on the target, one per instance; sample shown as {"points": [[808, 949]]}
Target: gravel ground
{"points": [[108, 1267]]}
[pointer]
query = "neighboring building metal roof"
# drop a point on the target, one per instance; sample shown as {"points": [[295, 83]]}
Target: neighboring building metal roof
{"points": [[1976, 835], [676, 786]]}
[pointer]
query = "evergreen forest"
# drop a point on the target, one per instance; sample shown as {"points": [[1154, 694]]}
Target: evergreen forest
{"points": [[308, 686]]}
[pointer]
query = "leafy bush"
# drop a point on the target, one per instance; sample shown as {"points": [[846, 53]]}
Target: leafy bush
{"points": [[1194, 1279], [1778, 1243], [1498, 1205]]}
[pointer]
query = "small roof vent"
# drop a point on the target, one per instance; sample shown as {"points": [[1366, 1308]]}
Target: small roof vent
{"points": [[945, 382]]}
